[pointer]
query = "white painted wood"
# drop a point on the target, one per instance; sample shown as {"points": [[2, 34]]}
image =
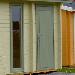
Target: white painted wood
{"points": [[61, 37], [4, 25], [28, 38], [45, 34], [2, 29], [4, 39], [27, 11], [34, 37], [57, 37], [4, 13], [20, 69], [4, 21]]}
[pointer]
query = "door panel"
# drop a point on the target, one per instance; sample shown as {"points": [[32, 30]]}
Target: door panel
{"points": [[45, 38]]}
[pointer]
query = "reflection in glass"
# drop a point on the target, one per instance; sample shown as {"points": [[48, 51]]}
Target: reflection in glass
{"points": [[16, 34]]}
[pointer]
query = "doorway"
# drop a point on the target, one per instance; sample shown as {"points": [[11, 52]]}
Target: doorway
{"points": [[45, 37]]}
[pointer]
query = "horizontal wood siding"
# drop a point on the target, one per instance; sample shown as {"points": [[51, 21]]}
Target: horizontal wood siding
{"points": [[4, 39]]}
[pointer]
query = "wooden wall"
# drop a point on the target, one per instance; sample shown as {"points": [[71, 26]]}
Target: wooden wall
{"points": [[4, 39], [67, 38]]}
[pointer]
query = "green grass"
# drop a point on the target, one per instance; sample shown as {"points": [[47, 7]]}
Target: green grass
{"points": [[66, 70]]}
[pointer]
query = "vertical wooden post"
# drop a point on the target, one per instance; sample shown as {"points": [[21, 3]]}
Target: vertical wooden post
{"points": [[74, 37], [71, 52], [28, 37], [64, 37], [34, 37], [57, 37], [68, 37]]}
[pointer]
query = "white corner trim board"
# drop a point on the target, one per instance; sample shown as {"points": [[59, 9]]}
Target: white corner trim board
{"points": [[28, 34], [34, 37], [57, 34]]}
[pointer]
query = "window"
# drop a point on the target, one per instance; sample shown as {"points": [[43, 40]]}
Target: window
{"points": [[16, 36]]}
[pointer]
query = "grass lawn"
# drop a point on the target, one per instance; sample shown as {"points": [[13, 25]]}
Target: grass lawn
{"points": [[66, 70]]}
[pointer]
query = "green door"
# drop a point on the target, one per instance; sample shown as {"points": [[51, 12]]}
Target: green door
{"points": [[45, 36]]}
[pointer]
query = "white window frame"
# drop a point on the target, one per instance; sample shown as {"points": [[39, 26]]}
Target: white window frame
{"points": [[11, 42]]}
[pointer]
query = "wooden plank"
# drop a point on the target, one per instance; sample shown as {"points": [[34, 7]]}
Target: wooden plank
{"points": [[34, 37], [35, 72], [41, 71], [67, 38], [4, 39], [74, 37], [57, 37], [44, 71], [71, 38], [28, 38], [64, 41], [16, 74]]}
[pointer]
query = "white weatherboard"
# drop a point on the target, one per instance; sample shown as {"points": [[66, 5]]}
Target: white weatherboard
{"points": [[4, 39]]}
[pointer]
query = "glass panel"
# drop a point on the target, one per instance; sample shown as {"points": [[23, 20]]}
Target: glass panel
{"points": [[16, 31]]}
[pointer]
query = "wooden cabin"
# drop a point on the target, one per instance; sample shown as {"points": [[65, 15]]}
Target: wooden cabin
{"points": [[30, 36]]}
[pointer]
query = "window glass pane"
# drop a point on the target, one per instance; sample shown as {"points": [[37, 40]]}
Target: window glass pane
{"points": [[16, 13], [16, 31]]}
